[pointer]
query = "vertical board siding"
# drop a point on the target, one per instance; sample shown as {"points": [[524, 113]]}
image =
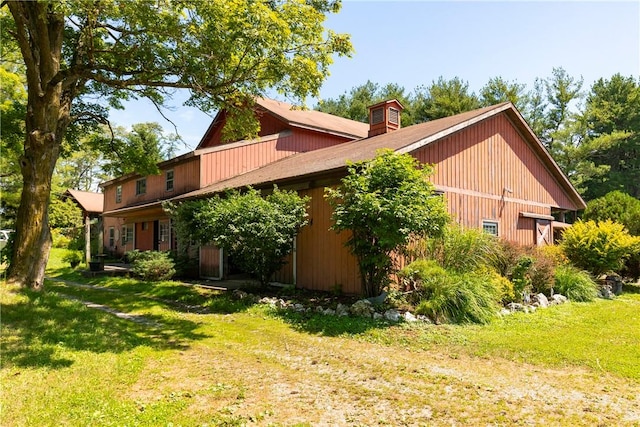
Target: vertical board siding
{"points": [[475, 165], [323, 262], [209, 261], [144, 238], [186, 177], [224, 163], [490, 156], [285, 274]]}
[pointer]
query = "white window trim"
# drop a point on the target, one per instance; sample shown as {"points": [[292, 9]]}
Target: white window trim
{"points": [[491, 222]]}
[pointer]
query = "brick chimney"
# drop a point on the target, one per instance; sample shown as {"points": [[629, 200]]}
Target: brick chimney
{"points": [[384, 117]]}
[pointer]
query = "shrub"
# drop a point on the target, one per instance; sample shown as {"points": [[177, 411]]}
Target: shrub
{"points": [[577, 285], [153, 265], [599, 247], [507, 255], [448, 296], [384, 203], [74, 258], [542, 271]]}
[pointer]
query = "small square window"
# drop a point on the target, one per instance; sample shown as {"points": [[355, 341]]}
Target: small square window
{"points": [[490, 227], [141, 186], [119, 194], [112, 237], [169, 181]]}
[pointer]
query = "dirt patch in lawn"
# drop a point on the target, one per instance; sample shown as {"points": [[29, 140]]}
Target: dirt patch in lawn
{"points": [[305, 379]]}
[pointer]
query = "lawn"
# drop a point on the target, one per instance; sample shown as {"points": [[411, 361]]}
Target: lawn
{"points": [[203, 358]]}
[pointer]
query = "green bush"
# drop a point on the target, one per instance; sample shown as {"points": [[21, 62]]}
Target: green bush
{"points": [[599, 247], [577, 285], [448, 296], [615, 206], [153, 265], [74, 258]]}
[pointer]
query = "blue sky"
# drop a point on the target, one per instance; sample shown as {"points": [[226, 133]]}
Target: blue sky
{"points": [[412, 43]]}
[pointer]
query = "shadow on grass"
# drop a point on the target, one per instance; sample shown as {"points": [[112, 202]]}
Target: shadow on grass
{"points": [[330, 325], [38, 328]]}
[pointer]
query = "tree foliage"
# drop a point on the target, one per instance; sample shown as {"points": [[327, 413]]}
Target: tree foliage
{"points": [[615, 206], [612, 117], [256, 232], [444, 98], [384, 203], [224, 52]]}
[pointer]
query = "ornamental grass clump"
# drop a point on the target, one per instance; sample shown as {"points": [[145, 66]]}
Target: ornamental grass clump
{"points": [[577, 285], [450, 297]]}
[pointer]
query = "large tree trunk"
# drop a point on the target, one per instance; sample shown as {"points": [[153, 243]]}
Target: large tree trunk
{"points": [[33, 238], [39, 33]]}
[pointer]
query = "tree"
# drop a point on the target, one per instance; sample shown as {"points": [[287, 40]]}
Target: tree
{"points": [[256, 232], [444, 98], [354, 105], [499, 90], [139, 150], [615, 206], [384, 203], [612, 119], [224, 52]]}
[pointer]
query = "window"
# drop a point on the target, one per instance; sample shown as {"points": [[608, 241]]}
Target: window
{"points": [[141, 186], [490, 227], [394, 116], [377, 116], [112, 237], [164, 232], [169, 181], [127, 235], [144, 226], [118, 193]]}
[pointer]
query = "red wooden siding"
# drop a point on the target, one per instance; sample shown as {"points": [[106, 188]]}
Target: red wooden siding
{"points": [[476, 165], [285, 274], [186, 177], [490, 156], [144, 238], [209, 261], [239, 158], [323, 262]]}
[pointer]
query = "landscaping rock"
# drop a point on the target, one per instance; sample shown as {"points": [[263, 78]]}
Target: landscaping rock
{"points": [[541, 300], [342, 310], [281, 304], [377, 316], [514, 306], [239, 295], [423, 318], [606, 292], [409, 317], [319, 309], [299, 307], [392, 315], [329, 312], [505, 312], [268, 301], [558, 299], [362, 308]]}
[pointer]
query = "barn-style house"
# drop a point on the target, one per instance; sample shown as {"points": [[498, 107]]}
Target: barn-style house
{"points": [[493, 171]]}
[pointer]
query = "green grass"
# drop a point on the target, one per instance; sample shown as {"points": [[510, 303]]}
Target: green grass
{"points": [[66, 364]]}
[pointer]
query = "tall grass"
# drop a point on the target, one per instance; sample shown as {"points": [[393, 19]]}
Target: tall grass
{"points": [[460, 249], [575, 284], [446, 296]]}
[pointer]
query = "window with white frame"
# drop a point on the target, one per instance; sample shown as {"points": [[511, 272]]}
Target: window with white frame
{"points": [[119, 194], [141, 186], [490, 227], [164, 232], [169, 181], [127, 234]]}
